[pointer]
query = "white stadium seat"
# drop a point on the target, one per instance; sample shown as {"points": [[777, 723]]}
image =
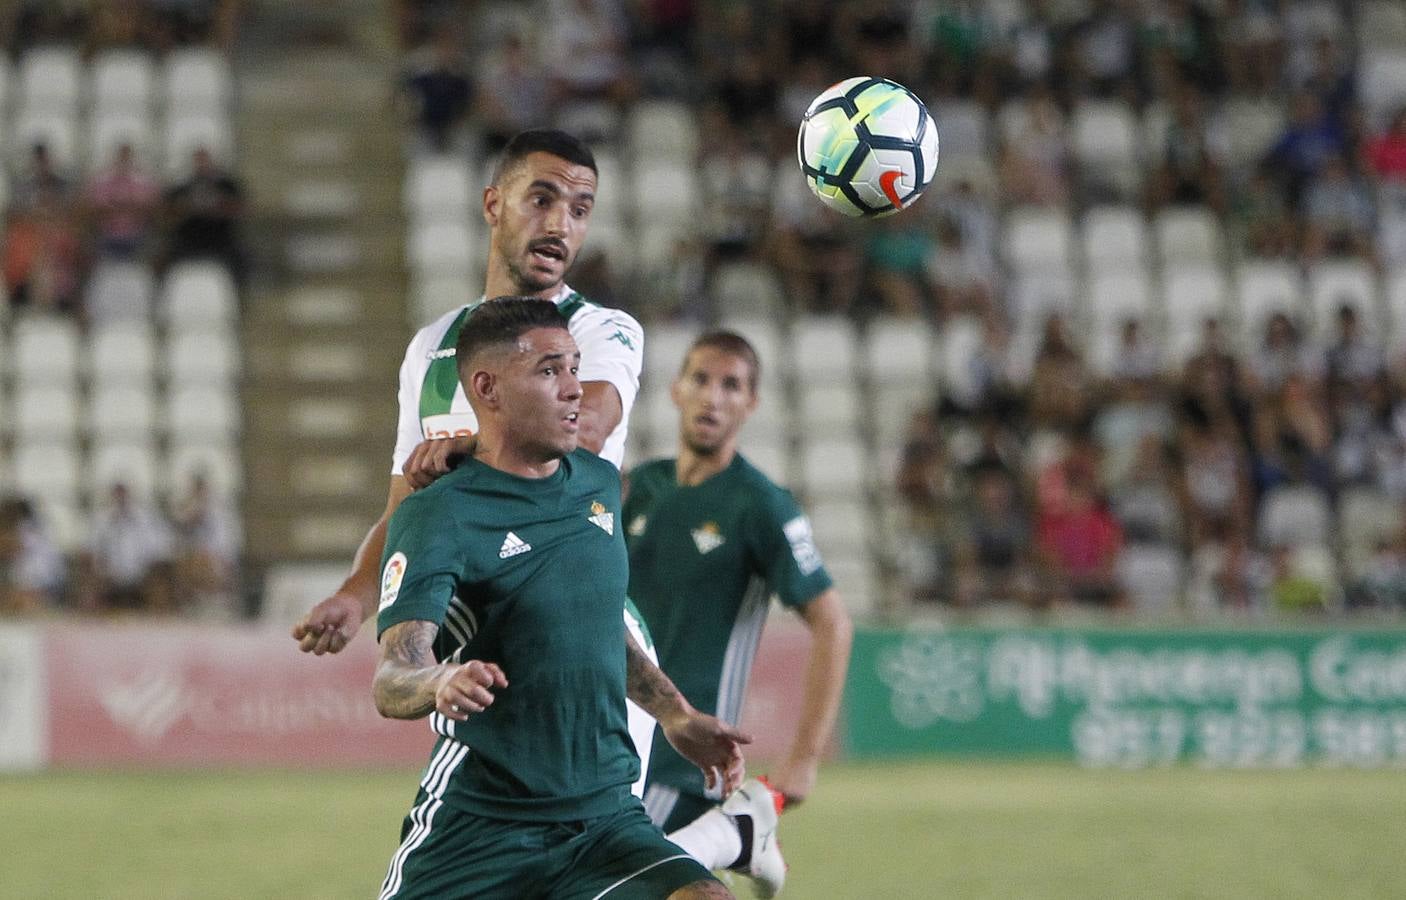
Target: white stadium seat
{"points": [[47, 469], [965, 129], [1351, 282], [663, 129], [834, 465], [121, 412], [666, 193], [218, 462], [121, 80], [202, 413], [7, 86], [45, 412], [664, 348], [898, 350], [55, 127], [439, 186], [187, 132], [45, 349], [1244, 130], [196, 79], [1382, 77], [1192, 295], [1188, 234], [1105, 140], [1265, 288], [1114, 237], [110, 130], [120, 291], [743, 287], [823, 348], [1037, 239], [202, 357], [51, 77], [198, 293], [1381, 24], [1396, 308], [829, 407], [441, 248]]}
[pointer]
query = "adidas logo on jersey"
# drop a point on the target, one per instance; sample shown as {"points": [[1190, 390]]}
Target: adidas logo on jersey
{"points": [[513, 546], [603, 520], [706, 537]]}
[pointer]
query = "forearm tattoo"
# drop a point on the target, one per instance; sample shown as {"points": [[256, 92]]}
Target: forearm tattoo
{"points": [[647, 685], [404, 685]]}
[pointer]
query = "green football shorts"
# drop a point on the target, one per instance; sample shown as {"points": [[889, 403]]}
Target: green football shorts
{"points": [[452, 854]]}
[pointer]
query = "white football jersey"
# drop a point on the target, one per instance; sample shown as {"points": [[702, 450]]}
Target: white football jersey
{"points": [[432, 402]]}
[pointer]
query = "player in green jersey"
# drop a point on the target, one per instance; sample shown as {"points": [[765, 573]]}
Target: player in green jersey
{"points": [[528, 791], [711, 539]]}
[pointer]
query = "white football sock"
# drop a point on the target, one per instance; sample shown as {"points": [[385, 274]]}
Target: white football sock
{"points": [[712, 839]]}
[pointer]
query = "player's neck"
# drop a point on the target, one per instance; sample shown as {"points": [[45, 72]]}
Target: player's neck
{"points": [[693, 468], [493, 451]]}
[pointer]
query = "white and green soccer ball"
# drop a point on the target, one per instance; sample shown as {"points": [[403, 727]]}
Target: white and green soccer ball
{"points": [[868, 147]]}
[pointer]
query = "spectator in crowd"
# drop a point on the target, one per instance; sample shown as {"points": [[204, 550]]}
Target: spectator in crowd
{"points": [[1035, 158], [1079, 541], [1354, 361], [440, 94], [925, 483], [1266, 222], [41, 183], [735, 178], [588, 40], [1215, 478], [43, 257], [122, 202], [1310, 140], [1229, 575], [1187, 171], [1382, 582], [32, 569], [815, 251], [1282, 354], [127, 564], [512, 96], [208, 542], [1136, 357], [1386, 153], [1061, 386], [992, 552], [205, 212], [1338, 214], [897, 250], [1293, 586]]}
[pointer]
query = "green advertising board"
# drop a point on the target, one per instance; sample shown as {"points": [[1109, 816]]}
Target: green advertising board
{"points": [[1132, 698]]}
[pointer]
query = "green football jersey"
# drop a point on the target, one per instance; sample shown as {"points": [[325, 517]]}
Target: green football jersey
{"points": [[704, 563], [529, 574]]}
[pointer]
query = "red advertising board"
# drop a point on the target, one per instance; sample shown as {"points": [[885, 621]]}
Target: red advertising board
{"points": [[188, 695]]}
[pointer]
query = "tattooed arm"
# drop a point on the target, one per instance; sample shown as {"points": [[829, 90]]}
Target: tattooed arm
{"points": [[409, 684], [708, 742]]}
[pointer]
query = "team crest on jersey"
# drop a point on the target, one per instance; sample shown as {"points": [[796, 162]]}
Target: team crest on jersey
{"points": [[637, 525], [707, 537], [603, 520], [391, 578]]}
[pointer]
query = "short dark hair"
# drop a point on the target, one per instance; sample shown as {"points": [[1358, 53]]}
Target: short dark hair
{"points": [[500, 321], [733, 344], [543, 140]]}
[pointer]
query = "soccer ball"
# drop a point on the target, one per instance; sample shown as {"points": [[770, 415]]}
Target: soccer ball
{"points": [[867, 147]]}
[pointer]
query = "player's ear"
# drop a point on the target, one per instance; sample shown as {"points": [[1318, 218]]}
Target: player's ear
{"points": [[483, 387], [492, 204], [676, 391]]}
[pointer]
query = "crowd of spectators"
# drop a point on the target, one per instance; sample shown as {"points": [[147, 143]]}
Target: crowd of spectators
{"points": [[155, 25], [138, 557]]}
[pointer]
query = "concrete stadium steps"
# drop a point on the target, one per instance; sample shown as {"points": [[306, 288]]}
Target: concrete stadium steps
{"points": [[326, 327]]}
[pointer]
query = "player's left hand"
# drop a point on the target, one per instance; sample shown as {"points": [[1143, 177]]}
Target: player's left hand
{"points": [[794, 779], [713, 746], [434, 458]]}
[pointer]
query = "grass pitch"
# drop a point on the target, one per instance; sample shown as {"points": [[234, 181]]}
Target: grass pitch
{"points": [[917, 830]]}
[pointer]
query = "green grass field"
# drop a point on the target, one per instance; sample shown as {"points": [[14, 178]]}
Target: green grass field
{"points": [[893, 831]]}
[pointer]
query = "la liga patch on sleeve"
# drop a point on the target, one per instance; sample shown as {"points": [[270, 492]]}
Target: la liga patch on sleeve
{"points": [[391, 577]]}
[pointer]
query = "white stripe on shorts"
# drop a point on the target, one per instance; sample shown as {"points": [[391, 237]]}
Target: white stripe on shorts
{"points": [[659, 862], [445, 761]]}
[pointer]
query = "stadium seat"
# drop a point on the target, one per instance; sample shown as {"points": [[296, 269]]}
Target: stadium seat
{"points": [[1192, 295], [1243, 130], [893, 407], [201, 413], [773, 459], [121, 412], [964, 127], [435, 295], [1151, 576], [1294, 515], [185, 133], [1036, 295], [1037, 239], [196, 79], [611, 193], [1187, 234], [745, 288], [664, 348], [1366, 516], [63, 521], [1114, 237], [666, 193], [51, 78], [45, 350], [834, 465], [1383, 82], [46, 469], [1105, 140], [111, 129], [441, 248], [45, 412], [662, 130], [1114, 298], [198, 294], [131, 463], [120, 291], [218, 462], [1381, 24], [54, 127], [841, 526], [7, 87], [831, 407], [854, 579], [1156, 120], [122, 80], [439, 187], [1331, 284], [823, 348], [898, 350], [1265, 288], [658, 414], [203, 357], [1396, 308]]}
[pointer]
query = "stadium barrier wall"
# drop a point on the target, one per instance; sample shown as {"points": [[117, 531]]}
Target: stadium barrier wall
{"points": [[147, 695], [1132, 698]]}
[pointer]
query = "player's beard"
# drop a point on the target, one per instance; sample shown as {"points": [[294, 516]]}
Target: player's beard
{"points": [[527, 284]]}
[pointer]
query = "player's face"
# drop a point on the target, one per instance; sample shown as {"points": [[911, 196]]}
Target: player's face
{"points": [[540, 394], [714, 396], [538, 214]]}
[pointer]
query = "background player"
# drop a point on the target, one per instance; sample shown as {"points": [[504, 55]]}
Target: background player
{"points": [[711, 539], [541, 806]]}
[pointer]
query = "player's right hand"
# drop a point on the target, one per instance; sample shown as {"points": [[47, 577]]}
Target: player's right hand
{"points": [[433, 458], [466, 689], [330, 625]]}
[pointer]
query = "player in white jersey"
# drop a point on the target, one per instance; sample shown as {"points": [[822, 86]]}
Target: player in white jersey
{"points": [[537, 207]]}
